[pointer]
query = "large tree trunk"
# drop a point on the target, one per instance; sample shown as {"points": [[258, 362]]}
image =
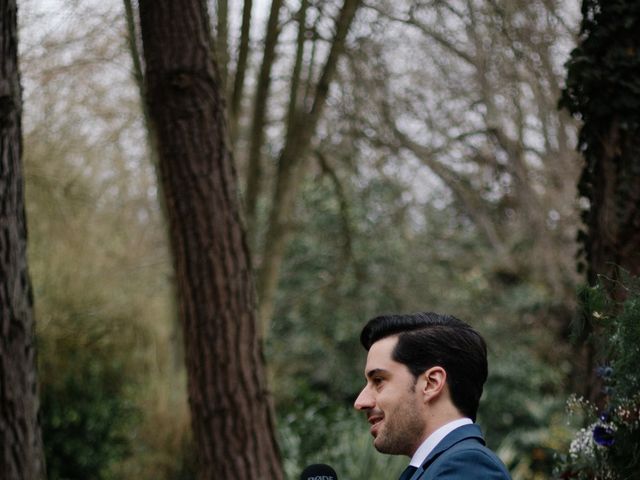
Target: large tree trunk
{"points": [[613, 220], [230, 405], [21, 454], [603, 91]]}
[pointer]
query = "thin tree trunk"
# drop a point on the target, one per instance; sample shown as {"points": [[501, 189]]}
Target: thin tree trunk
{"points": [[241, 70], [254, 173], [297, 67], [222, 40], [296, 147], [231, 410], [21, 453]]}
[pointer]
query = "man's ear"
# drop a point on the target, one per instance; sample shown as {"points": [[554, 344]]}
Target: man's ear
{"points": [[435, 381]]}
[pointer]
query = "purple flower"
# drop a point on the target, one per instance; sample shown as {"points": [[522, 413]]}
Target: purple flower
{"points": [[604, 371], [603, 435]]}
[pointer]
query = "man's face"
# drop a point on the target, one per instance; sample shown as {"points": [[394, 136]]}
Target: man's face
{"points": [[391, 401]]}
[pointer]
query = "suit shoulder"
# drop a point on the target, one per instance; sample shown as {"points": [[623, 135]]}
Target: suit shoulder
{"points": [[467, 459]]}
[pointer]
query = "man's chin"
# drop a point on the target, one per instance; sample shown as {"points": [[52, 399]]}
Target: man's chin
{"points": [[389, 448], [381, 446]]}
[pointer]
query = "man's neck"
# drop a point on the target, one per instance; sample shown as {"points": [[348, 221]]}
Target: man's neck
{"points": [[441, 419], [435, 437]]}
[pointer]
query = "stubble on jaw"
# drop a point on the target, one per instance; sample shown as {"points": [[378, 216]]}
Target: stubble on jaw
{"points": [[403, 429]]}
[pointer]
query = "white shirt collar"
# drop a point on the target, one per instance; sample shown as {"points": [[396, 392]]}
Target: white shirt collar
{"points": [[434, 439]]}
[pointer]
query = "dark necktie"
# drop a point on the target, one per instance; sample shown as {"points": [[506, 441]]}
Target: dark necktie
{"points": [[406, 475]]}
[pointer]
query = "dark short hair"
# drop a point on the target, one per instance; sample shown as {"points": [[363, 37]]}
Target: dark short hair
{"points": [[429, 339]]}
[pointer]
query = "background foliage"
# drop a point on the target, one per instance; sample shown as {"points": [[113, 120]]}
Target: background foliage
{"points": [[433, 184], [608, 444]]}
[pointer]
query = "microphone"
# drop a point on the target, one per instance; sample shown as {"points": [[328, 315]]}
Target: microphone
{"points": [[319, 471]]}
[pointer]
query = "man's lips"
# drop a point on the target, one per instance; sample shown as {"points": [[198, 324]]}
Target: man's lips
{"points": [[375, 420]]}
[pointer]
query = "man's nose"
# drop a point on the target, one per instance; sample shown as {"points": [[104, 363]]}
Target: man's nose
{"points": [[365, 400]]}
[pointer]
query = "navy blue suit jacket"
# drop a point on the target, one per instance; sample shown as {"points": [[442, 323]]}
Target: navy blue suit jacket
{"points": [[462, 455]]}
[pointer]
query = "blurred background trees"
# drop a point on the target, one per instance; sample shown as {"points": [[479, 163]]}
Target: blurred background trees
{"points": [[393, 156], [105, 316]]}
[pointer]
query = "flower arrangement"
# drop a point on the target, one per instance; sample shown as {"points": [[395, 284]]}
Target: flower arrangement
{"points": [[608, 447]]}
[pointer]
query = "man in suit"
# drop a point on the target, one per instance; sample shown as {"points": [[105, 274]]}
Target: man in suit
{"points": [[425, 374]]}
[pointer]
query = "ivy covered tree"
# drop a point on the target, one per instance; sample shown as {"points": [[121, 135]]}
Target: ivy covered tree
{"points": [[603, 90]]}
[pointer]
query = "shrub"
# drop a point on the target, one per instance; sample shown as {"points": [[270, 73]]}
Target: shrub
{"points": [[608, 447]]}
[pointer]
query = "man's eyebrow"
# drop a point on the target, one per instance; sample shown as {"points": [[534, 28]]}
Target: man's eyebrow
{"points": [[376, 371]]}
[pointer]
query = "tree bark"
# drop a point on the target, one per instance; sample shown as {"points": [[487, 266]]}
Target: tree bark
{"points": [[133, 41], [231, 410], [21, 454], [614, 218]]}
